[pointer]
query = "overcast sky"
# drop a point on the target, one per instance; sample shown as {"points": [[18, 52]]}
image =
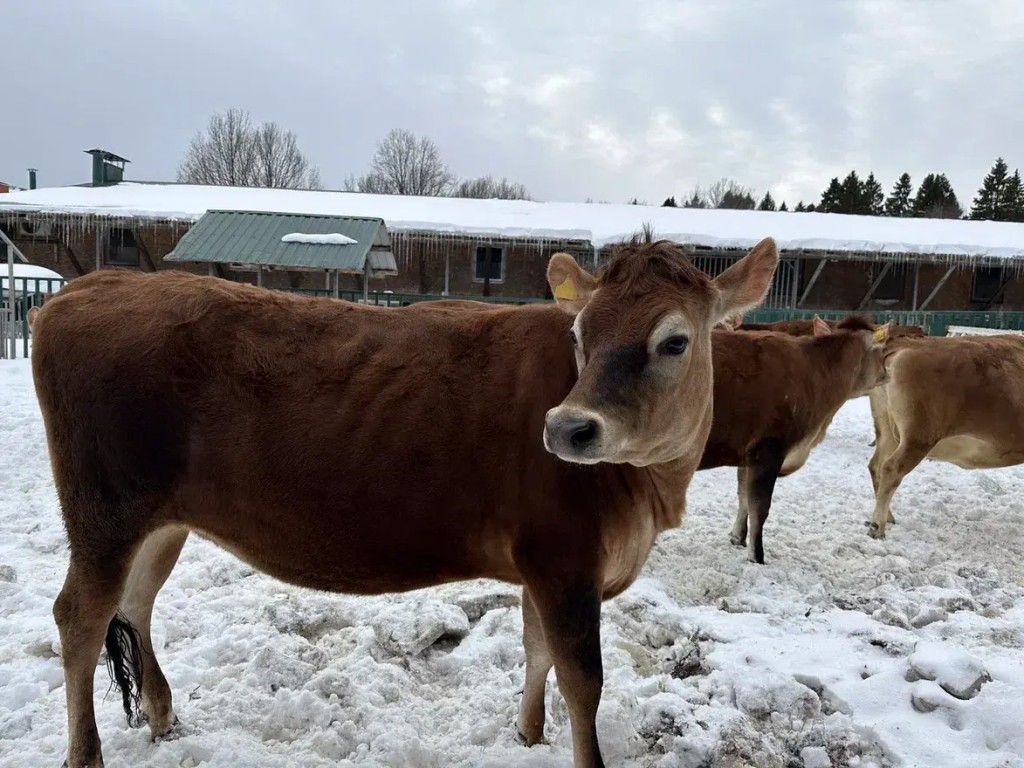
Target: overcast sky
{"points": [[605, 99]]}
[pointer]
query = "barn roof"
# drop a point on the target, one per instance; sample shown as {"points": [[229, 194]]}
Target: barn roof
{"points": [[839, 235], [288, 240]]}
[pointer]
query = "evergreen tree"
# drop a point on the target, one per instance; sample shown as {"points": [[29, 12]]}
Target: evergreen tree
{"points": [[670, 202], [993, 203], [695, 201], [936, 199], [831, 198], [898, 203], [738, 200], [767, 203], [799, 207], [873, 197], [1015, 198], [783, 208], [851, 195], [812, 208]]}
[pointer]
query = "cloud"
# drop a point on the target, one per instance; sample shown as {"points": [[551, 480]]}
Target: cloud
{"points": [[585, 98]]}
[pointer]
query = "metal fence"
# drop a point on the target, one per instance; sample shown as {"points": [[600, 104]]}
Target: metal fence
{"points": [[27, 292], [30, 292]]}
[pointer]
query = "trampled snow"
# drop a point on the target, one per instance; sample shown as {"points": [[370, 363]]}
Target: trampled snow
{"points": [[599, 223], [841, 651], [331, 238]]}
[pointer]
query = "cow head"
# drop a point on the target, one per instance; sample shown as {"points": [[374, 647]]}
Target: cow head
{"points": [[642, 340], [871, 371]]}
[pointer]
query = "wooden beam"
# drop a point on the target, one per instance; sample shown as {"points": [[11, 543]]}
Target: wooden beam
{"points": [[917, 284], [874, 286], [72, 258], [936, 289], [811, 282], [144, 250]]}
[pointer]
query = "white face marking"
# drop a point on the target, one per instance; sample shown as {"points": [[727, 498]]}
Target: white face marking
{"points": [[578, 348], [672, 324]]}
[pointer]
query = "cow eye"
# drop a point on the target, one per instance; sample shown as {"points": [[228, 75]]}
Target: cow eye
{"points": [[674, 345], [572, 335]]}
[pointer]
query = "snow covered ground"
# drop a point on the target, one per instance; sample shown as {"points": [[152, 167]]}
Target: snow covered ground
{"points": [[840, 651]]}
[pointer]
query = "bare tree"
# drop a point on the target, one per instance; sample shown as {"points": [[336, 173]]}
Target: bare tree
{"points": [[280, 163], [235, 152], [405, 165], [489, 188]]}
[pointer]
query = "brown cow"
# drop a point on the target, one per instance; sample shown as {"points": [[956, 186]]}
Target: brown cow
{"points": [[364, 450], [775, 396], [803, 327], [958, 400]]}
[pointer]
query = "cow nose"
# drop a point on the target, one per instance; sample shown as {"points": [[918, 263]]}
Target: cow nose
{"points": [[582, 432]]}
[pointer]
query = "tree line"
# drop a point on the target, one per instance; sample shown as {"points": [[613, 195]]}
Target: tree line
{"points": [[1000, 197], [234, 151]]}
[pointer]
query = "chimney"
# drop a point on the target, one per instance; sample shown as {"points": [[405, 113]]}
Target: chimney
{"points": [[107, 168], [31, 178]]}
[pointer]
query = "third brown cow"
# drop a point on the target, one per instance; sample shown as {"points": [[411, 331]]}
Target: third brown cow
{"points": [[775, 396]]}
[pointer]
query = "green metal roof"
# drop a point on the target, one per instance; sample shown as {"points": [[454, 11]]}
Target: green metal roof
{"points": [[254, 238]]}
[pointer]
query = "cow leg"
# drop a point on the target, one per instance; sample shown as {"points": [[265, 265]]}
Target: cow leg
{"points": [[83, 612], [890, 475], [570, 615], [738, 537], [538, 664], [761, 477], [150, 568]]}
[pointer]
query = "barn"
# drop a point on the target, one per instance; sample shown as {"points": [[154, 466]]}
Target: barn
{"points": [[969, 271]]}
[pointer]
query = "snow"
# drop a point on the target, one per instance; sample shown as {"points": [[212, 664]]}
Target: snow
{"points": [[332, 238], [821, 657], [599, 223]]}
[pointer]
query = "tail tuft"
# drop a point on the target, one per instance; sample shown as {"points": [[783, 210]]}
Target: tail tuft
{"points": [[124, 663]]}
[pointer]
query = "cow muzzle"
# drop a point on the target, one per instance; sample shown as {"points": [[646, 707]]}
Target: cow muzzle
{"points": [[574, 434]]}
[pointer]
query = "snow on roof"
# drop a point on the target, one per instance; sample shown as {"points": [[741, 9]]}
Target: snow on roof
{"points": [[599, 223], [331, 238]]}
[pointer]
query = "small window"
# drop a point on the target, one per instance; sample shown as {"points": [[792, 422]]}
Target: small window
{"points": [[489, 262], [122, 248], [987, 282], [893, 286]]}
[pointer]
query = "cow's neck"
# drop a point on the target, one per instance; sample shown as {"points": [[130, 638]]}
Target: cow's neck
{"points": [[669, 483], [841, 367]]}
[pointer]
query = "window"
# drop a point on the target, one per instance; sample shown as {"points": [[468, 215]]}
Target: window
{"points": [[489, 261], [893, 286], [987, 282], [122, 248]]}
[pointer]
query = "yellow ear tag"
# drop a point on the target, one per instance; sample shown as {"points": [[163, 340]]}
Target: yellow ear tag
{"points": [[566, 290], [880, 334]]}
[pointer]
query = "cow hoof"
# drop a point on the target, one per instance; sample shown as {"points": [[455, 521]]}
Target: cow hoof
{"points": [[523, 739], [169, 733], [874, 531], [737, 541]]}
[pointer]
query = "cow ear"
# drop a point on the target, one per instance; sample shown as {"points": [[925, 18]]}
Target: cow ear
{"points": [[571, 285], [744, 285], [881, 334], [821, 328]]}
